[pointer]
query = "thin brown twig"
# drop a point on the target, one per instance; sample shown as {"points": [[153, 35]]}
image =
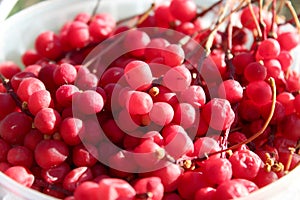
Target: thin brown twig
{"points": [[96, 7], [262, 24], [274, 16], [204, 12], [210, 38], [259, 32], [260, 132], [15, 97], [293, 13]]}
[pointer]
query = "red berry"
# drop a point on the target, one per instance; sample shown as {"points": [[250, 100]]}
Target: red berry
{"points": [[14, 127], [183, 10], [8, 69], [21, 175], [259, 92], [177, 79], [245, 164], [39, 100], [47, 120], [218, 114], [47, 44], [151, 185], [218, 170], [50, 153], [269, 49], [29, 86]]}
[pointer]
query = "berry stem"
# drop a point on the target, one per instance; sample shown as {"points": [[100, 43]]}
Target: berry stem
{"points": [[289, 161], [273, 86], [221, 20], [261, 131], [294, 14], [43, 184], [145, 15], [145, 196], [262, 24], [229, 56], [204, 12], [223, 139], [140, 17], [15, 97], [257, 24], [274, 16], [96, 7], [229, 35]]}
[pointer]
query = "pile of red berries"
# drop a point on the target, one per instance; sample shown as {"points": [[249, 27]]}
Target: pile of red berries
{"points": [[161, 109]]}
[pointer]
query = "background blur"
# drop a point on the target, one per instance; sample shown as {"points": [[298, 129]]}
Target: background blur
{"points": [[25, 3]]}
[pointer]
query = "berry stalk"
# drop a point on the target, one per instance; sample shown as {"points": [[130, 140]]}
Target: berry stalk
{"points": [[15, 97]]}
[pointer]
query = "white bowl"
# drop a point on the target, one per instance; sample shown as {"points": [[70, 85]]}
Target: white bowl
{"points": [[17, 34]]}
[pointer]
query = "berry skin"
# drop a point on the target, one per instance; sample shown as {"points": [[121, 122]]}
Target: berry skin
{"points": [[150, 185], [245, 164], [178, 143], [39, 100], [206, 193], [218, 170], [30, 57], [169, 175], [259, 91], [231, 90], [88, 102], [183, 10], [255, 72], [163, 16], [21, 175], [194, 95], [205, 145], [14, 127], [148, 154], [173, 55], [84, 155], [75, 177], [70, 130], [8, 69], [21, 156], [185, 115], [47, 44], [4, 148], [232, 189], [101, 27], [29, 86], [161, 113], [264, 178], [288, 40], [269, 49], [153, 115], [124, 189], [177, 78], [64, 74], [218, 114], [7, 105], [290, 125], [47, 120], [65, 93], [50, 153], [135, 42], [139, 103], [138, 75], [91, 191], [190, 182], [78, 34]]}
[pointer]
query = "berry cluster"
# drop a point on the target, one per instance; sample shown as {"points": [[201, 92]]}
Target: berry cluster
{"points": [[162, 109]]}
